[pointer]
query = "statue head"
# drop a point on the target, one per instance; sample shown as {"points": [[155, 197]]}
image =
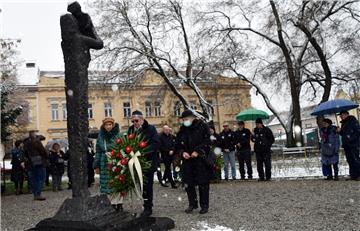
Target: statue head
{"points": [[74, 8]]}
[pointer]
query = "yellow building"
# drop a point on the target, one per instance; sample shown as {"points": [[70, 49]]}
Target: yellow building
{"points": [[150, 95]]}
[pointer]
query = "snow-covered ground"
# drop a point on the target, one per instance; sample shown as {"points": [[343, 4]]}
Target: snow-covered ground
{"points": [[288, 167]]}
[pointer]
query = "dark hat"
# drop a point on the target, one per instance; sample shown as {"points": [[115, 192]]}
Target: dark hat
{"points": [[328, 121], [137, 113], [258, 121], [187, 113], [343, 112], [241, 123]]}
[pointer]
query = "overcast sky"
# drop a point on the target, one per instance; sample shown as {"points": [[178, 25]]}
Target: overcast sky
{"points": [[37, 24]]}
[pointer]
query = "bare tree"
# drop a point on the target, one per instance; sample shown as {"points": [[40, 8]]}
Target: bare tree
{"points": [[289, 57], [150, 35]]}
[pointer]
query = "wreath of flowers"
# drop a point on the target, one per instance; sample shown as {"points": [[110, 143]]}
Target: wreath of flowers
{"points": [[120, 178]]}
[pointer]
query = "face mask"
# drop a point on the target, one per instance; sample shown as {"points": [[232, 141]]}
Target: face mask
{"points": [[187, 123]]}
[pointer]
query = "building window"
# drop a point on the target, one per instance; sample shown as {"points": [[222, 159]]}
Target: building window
{"points": [[54, 112], [148, 109], [90, 111], [157, 108], [127, 109], [108, 109], [177, 108], [64, 111]]}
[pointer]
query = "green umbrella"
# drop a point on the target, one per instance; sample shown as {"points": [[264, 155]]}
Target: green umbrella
{"points": [[251, 114]]}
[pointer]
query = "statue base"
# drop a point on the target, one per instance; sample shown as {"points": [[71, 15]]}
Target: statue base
{"points": [[97, 214]]}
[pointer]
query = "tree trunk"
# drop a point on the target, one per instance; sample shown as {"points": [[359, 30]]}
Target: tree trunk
{"points": [[293, 78]]}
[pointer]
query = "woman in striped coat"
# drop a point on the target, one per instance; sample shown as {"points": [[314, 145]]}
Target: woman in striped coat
{"points": [[105, 142]]}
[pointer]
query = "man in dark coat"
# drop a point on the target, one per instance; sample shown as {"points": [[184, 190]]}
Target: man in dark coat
{"points": [[350, 137], [142, 127], [193, 145], [167, 150], [242, 140], [263, 139], [36, 159], [227, 144]]}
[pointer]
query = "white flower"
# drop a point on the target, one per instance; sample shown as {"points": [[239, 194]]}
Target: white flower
{"points": [[217, 151]]}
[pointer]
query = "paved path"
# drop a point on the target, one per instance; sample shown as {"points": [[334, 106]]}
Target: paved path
{"points": [[277, 205]]}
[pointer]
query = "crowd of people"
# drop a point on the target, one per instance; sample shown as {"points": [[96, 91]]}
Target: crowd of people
{"points": [[32, 161], [193, 147]]}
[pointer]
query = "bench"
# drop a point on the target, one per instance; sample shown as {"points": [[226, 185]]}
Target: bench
{"points": [[298, 150]]}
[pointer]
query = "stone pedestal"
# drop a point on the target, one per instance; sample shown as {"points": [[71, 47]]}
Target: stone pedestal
{"points": [[97, 214]]}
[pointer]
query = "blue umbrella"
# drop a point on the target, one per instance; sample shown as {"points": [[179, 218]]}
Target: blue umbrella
{"points": [[334, 106]]}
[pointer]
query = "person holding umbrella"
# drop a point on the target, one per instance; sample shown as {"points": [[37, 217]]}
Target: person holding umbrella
{"points": [[349, 131], [350, 136], [263, 139], [330, 144]]}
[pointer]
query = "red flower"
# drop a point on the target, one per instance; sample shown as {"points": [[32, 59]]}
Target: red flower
{"points": [[122, 194], [122, 178], [117, 170], [128, 149], [119, 156], [113, 153], [110, 167], [124, 161], [118, 141], [131, 136], [142, 144]]}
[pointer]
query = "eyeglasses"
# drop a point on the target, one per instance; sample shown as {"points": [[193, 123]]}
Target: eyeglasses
{"points": [[134, 121]]}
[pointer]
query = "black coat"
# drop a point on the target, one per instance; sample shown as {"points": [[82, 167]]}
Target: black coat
{"points": [[151, 136], [17, 171], [243, 138], [215, 140], [227, 140], [167, 144], [195, 138], [34, 147], [263, 139], [56, 162], [350, 132]]}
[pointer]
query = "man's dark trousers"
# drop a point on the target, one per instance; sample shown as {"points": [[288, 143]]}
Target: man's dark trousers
{"points": [[263, 158]]}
